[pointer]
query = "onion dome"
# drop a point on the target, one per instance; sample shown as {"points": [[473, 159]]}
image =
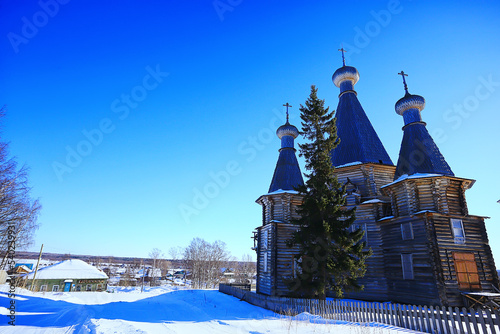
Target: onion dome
{"points": [[409, 101], [419, 153], [358, 140], [345, 73], [287, 129], [287, 174]]}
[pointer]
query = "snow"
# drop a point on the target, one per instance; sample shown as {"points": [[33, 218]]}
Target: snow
{"points": [[281, 191], [413, 176], [350, 164], [385, 218], [161, 310], [424, 211], [376, 200], [69, 269]]}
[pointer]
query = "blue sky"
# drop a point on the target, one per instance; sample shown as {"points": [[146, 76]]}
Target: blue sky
{"points": [[126, 112]]}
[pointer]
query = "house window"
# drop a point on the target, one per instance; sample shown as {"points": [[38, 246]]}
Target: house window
{"points": [[355, 227], [264, 239], [466, 270], [265, 262], [99, 287], [55, 288], [43, 288], [407, 265], [457, 228], [407, 231], [78, 288], [89, 287]]}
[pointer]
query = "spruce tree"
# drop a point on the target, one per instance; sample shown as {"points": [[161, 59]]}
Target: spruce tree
{"points": [[331, 255]]}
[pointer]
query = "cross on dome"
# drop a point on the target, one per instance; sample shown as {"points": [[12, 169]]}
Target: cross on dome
{"points": [[287, 105], [403, 74], [343, 59]]}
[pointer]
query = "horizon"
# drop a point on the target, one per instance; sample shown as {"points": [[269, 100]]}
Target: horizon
{"points": [[147, 125]]}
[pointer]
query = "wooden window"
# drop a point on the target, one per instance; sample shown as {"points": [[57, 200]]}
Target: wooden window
{"points": [[407, 265], [265, 262], [43, 288], [264, 239], [89, 287], [78, 288], [407, 231], [99, 287], [55, 288], [466, 271], [457, 228]]}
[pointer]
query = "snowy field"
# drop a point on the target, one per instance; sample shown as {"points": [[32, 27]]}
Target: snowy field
{"points": [[159, 310]]}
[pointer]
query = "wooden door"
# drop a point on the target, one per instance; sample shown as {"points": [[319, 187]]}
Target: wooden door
{"points": [[466, 271]]}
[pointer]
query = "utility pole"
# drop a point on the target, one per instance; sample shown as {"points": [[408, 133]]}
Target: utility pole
{"points": [[142, 285], [36, 269]]}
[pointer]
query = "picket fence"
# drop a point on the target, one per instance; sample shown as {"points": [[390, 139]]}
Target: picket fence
{"points": [[428, 319]]}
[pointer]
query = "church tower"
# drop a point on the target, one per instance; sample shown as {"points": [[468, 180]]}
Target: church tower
{"points": [[275, 261], [434, 249], [363, 165]]}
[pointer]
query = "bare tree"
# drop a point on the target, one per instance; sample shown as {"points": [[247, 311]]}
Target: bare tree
{"points": [[155, 255], [246, 270], [18, 211], [206, 262]]}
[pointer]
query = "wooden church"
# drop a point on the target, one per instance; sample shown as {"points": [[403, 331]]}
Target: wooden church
{"points": [[427, 248]]}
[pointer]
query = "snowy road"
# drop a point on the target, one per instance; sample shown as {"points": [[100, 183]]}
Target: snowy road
{"points": [[183, 311]]}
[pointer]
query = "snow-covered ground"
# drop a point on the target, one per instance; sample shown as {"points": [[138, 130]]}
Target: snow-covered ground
{"points": [[159, 310]]}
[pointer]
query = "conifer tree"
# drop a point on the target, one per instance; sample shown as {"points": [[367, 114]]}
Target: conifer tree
{"points": [[331, 255]]}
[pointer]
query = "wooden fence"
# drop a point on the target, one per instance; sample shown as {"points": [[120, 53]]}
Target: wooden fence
{"points": [[433, 319]]}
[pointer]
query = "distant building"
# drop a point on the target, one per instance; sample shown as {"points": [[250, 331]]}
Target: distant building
{"points": [[427, 248], [68, 275]]}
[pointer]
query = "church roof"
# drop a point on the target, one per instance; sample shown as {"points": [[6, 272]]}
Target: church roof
{"points": [[287, 175], [358, 139], [419, 153]]}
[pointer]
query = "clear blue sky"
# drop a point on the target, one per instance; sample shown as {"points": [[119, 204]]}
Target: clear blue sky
{"points": [[172, 93]]}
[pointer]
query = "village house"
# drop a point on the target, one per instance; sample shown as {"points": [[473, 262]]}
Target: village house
{"points": [[427, 247], [68, 275]]}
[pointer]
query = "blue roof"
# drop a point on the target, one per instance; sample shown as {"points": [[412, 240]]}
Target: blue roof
{"points": [[358, 139], [419, 153], [287, 175]]}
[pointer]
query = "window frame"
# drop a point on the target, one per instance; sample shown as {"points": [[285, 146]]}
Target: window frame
{"points": [[458, 239], [412, 236], [407, 275], [43, 288], [56, 287]]}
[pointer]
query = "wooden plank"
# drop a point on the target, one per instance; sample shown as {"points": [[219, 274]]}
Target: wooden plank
{"points": [[443, 329], [472, 312], [400, 318], [458, 321], [468, 327], [451, 321], [481, 321], [496, 320], [418, 317], [489, 321], [428, 327]]}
